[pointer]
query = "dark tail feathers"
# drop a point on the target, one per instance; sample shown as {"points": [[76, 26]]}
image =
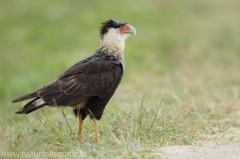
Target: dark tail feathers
{"points": [[31, 106], [26, 96]]}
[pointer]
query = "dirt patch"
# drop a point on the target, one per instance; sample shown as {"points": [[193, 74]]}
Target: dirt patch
{"points": [[219, 146]]}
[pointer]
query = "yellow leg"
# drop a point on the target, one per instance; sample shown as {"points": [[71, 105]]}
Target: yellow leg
{"points": [[96, 130], [80, 128]]}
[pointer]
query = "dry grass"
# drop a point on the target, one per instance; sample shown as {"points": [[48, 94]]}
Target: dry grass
{"points": [[187, 51]]}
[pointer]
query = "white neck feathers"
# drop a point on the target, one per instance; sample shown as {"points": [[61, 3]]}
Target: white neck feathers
{"points": [[113, 41]]}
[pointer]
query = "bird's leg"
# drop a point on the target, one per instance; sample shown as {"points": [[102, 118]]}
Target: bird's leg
{"points": [[96, 130], [80, 128]]}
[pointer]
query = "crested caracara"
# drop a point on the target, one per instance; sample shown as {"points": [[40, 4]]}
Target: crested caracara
{"points": [[88, 85]]}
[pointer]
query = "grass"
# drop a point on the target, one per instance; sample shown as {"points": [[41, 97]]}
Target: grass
{"points": [[182, 73]]}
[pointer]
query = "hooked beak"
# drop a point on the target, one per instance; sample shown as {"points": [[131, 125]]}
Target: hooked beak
{"points": [[132, 30]]}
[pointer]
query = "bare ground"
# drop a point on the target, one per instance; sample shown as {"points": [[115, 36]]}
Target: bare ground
{"points": [[219, 146]]}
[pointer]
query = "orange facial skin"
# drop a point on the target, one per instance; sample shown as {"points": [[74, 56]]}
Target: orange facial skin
{"points": [[125, 29]]}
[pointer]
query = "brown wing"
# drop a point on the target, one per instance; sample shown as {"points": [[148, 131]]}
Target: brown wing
{"points": [[96, 77]]}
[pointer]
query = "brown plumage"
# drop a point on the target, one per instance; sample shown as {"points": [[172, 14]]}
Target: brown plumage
{"points": [[95, 78], [89, 84]]}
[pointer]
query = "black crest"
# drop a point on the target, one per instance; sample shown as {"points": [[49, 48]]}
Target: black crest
{"points": [[110, 24]]}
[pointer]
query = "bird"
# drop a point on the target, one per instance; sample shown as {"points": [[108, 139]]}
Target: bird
{"points": [[88, 85]]}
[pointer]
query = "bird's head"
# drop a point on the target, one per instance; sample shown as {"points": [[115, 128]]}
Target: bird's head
{"points": [[114, 33]]}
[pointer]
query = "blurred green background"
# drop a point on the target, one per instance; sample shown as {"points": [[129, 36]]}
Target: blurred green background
{"points": [[188, 49], [178, 42]]}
